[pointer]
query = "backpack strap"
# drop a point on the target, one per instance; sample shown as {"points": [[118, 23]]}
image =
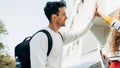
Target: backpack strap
{"points": [[61, 36], [50, 42]]}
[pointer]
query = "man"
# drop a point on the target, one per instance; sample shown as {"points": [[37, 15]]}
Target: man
{"points": [[55, 12]]}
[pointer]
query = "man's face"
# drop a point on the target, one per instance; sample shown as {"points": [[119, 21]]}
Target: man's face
{"points": [[61, 18]]}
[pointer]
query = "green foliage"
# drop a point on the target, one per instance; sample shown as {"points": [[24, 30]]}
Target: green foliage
{"points": [[6, 61], [2, 27], [1, 46]]}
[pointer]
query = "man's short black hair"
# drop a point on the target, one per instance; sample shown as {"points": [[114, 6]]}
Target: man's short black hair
{"points": [[53, 8]]}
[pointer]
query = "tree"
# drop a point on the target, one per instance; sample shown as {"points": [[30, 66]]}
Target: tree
{"points": [[6, 61]]}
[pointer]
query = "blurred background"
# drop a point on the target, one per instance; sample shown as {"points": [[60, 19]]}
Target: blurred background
{"points": [[22, 18]]}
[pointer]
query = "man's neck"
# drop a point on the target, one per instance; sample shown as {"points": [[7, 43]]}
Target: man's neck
{"points": [[54, 27]]}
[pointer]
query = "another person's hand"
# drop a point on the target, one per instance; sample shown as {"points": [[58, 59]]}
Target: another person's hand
{"points": [[99, 14], [95, 12]]}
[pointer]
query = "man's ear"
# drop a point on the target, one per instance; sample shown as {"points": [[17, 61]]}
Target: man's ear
{"points": [[54, 16]]}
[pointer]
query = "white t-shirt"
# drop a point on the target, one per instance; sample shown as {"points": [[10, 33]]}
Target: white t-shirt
{"points": [[39, 46]]}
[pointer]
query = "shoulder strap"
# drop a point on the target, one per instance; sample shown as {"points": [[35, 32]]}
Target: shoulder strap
{"points": [[61, 36], [50, 42]]}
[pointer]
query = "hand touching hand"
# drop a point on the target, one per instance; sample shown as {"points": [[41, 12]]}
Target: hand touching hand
{"points": [[97, 12]]}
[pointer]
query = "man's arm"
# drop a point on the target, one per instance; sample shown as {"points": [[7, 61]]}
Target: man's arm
{"points": [[83, 29], [74, 34], [38, 50]]}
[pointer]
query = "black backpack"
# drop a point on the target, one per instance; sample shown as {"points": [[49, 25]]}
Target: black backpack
{"points": [[22, 50]]}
